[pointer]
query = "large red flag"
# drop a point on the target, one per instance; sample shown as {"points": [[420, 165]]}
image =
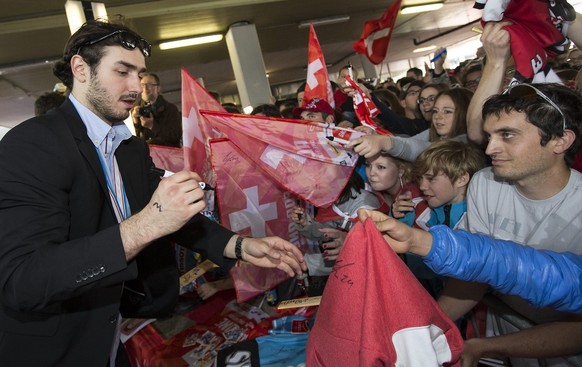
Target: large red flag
{"points": [[251, 204], [376, 35], [317, 84], [195, 132], [374, 312], [308, 159]]}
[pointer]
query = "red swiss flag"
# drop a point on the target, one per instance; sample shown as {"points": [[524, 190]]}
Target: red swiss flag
{"points": [[376, 35]]}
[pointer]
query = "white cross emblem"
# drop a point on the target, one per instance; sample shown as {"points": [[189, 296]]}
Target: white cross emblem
{"points": [[196, 133], [254, 215], [369, 41], [313, 68]]}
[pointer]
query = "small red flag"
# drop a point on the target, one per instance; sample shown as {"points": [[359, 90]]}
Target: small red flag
{"points": [[376, 35], [317, 84]]}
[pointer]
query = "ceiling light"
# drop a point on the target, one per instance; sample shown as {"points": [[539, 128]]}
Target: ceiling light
{"points": [[79, 12], [191, 41], [420, 8], [324, 21], [423, 49]]}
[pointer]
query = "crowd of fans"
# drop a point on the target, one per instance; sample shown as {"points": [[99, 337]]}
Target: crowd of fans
{"points": [[473, 148], [470, 148]]}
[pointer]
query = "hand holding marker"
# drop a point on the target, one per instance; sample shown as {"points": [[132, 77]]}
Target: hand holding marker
{"points": [[163, 173]]}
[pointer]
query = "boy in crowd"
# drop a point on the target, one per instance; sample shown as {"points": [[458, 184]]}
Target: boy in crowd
{"points": [[443, 172]]}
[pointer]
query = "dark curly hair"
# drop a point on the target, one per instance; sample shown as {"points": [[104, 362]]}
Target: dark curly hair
{"points": [[542, 114], [77, 44]]}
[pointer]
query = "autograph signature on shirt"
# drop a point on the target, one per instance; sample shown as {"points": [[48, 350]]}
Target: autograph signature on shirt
{"points": [[339, 272]]}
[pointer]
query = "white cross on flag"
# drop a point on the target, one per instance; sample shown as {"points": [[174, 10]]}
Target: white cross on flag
{"points": [[376, 35], [251, 205]]}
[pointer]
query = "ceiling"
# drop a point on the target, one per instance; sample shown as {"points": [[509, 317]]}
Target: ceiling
{"points": [[33, 34]]}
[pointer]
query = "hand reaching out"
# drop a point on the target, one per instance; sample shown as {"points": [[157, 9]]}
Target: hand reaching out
{"points": [[273, 252], [399, 236], [371, 145]]}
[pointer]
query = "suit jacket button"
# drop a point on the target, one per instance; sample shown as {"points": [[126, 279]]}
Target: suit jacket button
{"points": [[113, 319]]}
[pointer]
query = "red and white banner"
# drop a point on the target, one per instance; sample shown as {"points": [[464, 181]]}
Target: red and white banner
{"points": [[364, 107], [307, 159], [195, 132], [317, 84], [376, 36]]}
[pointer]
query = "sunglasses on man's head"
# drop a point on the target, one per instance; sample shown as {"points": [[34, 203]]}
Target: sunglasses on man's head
{"points": [[126, 39], [531, 93]]}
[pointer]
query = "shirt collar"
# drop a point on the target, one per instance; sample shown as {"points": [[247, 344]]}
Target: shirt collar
{"points": [[97, 129]]}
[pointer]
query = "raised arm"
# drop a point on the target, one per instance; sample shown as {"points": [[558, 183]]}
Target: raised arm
{"points": [[496, 44]]}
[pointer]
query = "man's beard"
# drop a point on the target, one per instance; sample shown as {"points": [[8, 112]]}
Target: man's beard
{"points": [[103, 104]]}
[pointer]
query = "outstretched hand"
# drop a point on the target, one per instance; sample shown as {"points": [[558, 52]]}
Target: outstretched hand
{"points": [[370, 145], [399, 236], [274, 252]]}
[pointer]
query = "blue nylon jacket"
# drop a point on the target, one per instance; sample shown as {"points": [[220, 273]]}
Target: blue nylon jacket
{"points": [[544, 278]]}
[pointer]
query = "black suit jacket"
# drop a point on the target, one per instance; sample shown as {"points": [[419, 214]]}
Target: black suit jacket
{"points": [[62, 264]]}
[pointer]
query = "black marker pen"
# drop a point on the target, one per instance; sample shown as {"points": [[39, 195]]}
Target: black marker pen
{"points": [[160, 172]]}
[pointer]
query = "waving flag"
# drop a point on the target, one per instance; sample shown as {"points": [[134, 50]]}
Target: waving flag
{"points": [[317, 84], [536, 33], [376, 35], [195, 132], [296, 155], [365, 108], [374, 312]]}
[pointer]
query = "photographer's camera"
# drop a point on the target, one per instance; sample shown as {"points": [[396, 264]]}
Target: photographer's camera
{"points": [[145, 110]]}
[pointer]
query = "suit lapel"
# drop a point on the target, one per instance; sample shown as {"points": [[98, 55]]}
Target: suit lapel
{"points": [[86, 146]]}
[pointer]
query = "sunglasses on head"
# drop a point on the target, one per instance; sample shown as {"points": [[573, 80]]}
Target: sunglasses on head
{"points": [[126, 39], [530, 93]]}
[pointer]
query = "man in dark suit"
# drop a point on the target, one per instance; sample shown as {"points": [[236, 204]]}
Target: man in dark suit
{"points": [[80, 208]]}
